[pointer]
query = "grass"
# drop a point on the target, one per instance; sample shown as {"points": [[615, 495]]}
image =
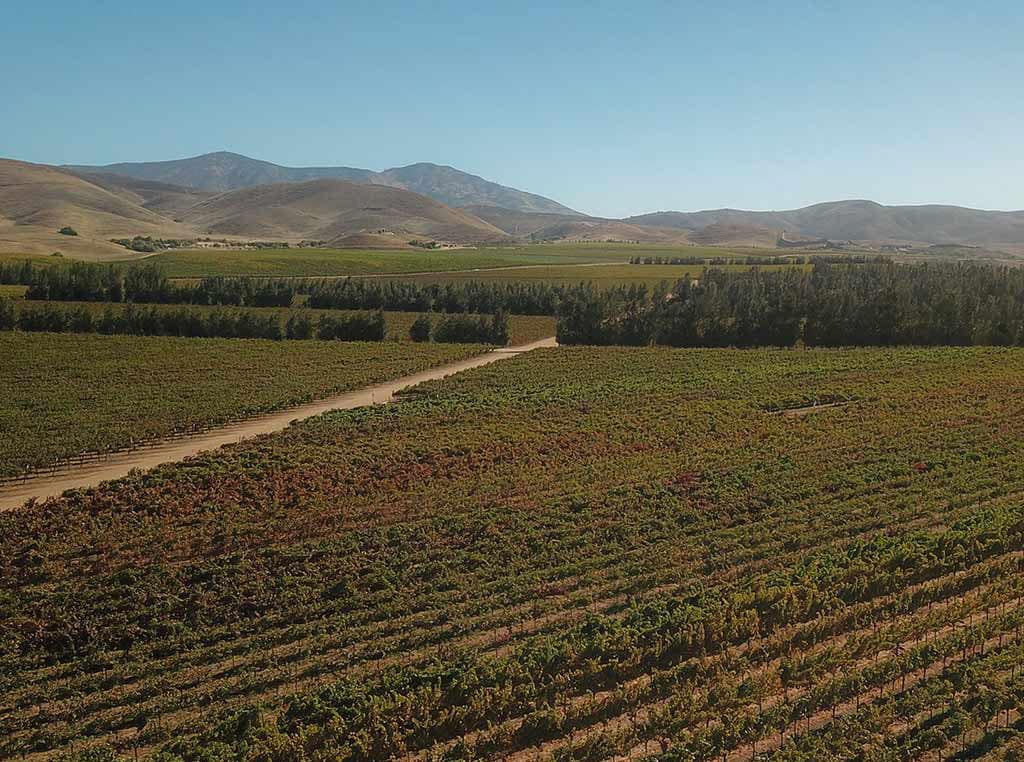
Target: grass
{"points": [[335, 262], [328, 262], [12, 291], [522, 328], [296, 262], [602, 275], [67, 394]]}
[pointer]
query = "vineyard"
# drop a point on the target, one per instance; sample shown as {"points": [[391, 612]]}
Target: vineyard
{"points": [[580, 553], [68, 394]]}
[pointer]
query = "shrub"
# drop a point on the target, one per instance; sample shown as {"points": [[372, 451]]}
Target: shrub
{"points": [[67, 230], [419, 331]]}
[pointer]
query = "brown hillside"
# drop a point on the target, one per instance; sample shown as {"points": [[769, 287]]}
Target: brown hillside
{"points": [[724, 233], [37, 200], [607, 230], [335, 209], [162, 198]]}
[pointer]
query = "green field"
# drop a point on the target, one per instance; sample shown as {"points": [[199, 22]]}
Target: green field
{"points": [[575, 554], [333, 262], [523, 329], [67, 394], [312, 262], [602, 275]]}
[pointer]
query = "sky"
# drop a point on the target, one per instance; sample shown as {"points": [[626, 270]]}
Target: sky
{"points": [[613, 108]]}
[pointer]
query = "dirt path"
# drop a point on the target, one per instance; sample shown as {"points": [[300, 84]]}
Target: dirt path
{"points": [[121, 463]]}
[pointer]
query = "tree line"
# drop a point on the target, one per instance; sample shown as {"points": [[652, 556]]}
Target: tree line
{"points": [[147, 283], [151, 321], [833, 304], [137, 320], [785, 259], [462, 329], [482, 297]]}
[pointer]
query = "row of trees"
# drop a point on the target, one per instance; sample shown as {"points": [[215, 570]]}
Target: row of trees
{"points": [[20, 273], [147, 283], [246, 324], [151, 321], [85, 282], [517, 298], [834, 304], [801, 259], [463, 329]]}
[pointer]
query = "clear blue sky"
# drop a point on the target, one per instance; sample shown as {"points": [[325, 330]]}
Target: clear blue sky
{"points": [[613, 108]]}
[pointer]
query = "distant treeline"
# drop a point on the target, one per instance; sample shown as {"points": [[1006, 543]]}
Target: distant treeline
{"points": [[834, 304], [151, 321], [517, 298], [241, 323], [16, 273], [786, 259], [146, 283], [464, 329]]}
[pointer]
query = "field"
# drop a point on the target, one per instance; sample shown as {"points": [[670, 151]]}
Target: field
{"points": [[523, 329], [67, 394], [334, 262], [308, 262], [574, 554], [12, 292], [602, 275]]}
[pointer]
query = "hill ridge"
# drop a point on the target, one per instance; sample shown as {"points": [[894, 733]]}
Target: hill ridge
{"points": [[224, 171]]}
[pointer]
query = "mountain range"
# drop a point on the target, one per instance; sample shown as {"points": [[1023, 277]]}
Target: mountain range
{"points": [[226, 171], [232, 196]]}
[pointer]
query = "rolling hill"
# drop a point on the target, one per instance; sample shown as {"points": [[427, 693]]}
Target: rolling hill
{"points": [[37, 200], [358, 208], [226, 171], [565, 227], [330, 210], [861, 221]]}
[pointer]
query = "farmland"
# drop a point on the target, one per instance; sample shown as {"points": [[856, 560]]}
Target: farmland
{"points": [[580, 553], [67, 394], [309, 262], [601, 275]]}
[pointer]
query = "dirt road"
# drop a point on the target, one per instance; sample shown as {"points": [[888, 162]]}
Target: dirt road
{"points": [[120, 464]]}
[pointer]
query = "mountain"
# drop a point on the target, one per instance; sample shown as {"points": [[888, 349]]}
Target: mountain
{"points": [[861, 221], [225, 171], [330, 210], [37, 200], [571, 227], [162, 198]]}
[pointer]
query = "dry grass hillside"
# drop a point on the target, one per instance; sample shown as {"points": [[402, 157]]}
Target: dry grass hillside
{"points": [[36, 201], [164, 199], [334, 209], [732, 234], [547, 227]]}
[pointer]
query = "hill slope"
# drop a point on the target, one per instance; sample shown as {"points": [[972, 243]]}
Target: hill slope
{"points": [[226, 171], [569, 227], [37, 200], [335, 209], [861, 221]]}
